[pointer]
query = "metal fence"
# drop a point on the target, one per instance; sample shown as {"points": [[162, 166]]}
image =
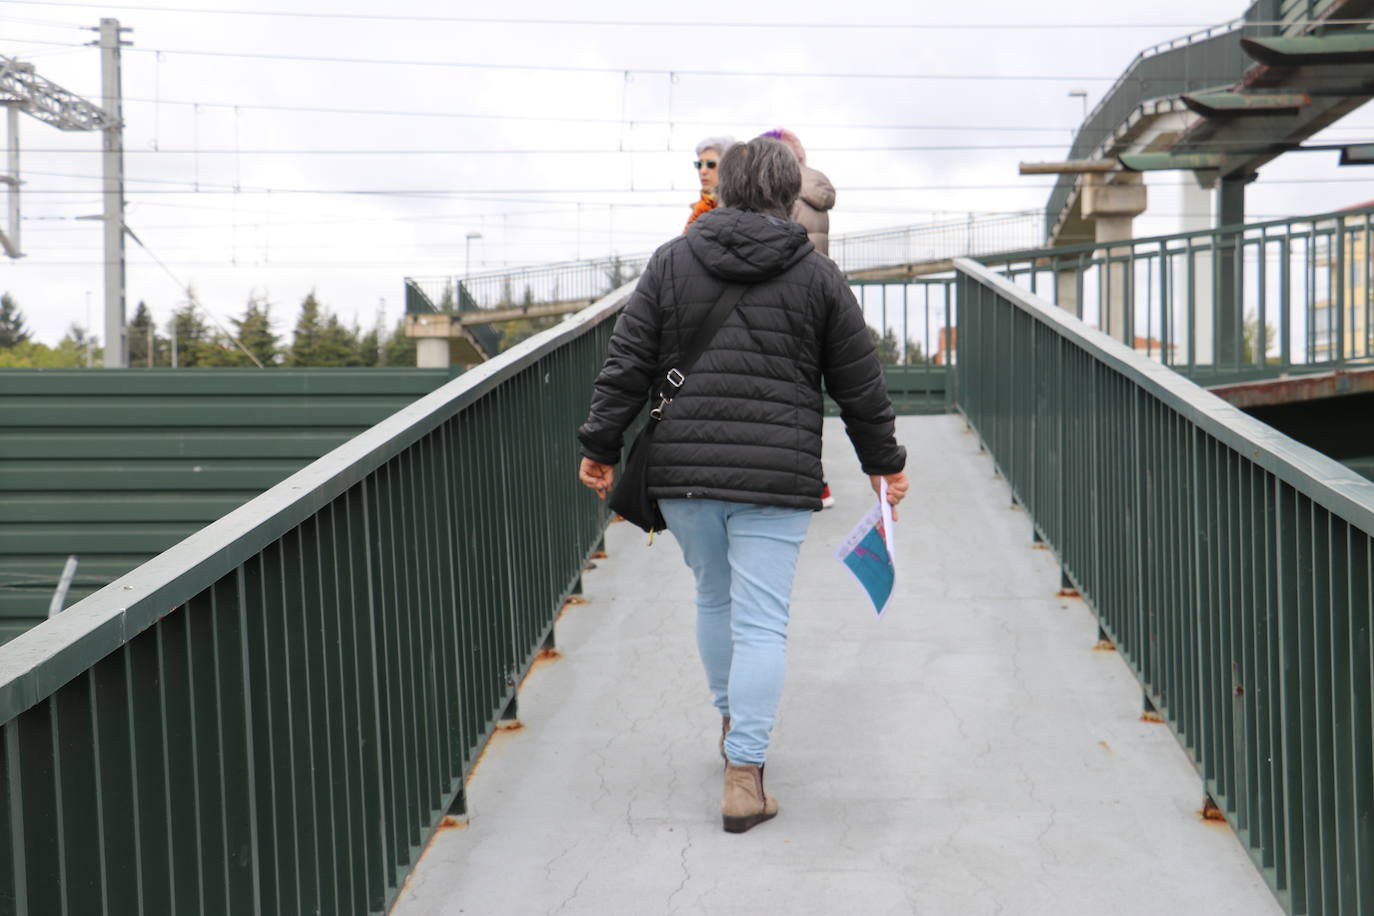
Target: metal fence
{"points": [[971, 236], [913, 325], [1230, 566], [1230, 303], [586, 281], [272, 716]]}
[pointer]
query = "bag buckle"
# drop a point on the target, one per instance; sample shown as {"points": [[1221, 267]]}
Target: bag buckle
{"points": [[676, 378], [657, 412]]}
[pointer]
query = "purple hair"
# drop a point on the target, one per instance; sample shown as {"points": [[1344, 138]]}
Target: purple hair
{"points": [[788, 138]]}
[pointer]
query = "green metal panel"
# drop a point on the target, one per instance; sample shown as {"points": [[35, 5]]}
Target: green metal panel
{"points": [[116, 466], [1229, 564]]}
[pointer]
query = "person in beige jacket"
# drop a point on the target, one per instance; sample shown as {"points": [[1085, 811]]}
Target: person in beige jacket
{"points": [[812, 208]]}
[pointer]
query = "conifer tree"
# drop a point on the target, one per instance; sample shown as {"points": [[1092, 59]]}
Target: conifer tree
{"points": [[254, 331], [369, 345], [399, 350], [305, 342], [12, 330], [141, 333], [338, 344]]}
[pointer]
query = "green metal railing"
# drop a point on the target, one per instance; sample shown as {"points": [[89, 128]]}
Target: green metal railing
{"points": [[1230, 303], [453, 296], [1230, 566], [272, 716], [914, 321]]}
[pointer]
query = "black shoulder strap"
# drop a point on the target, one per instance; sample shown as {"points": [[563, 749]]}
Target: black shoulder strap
{"points": [[708, 328], [700, 341]]}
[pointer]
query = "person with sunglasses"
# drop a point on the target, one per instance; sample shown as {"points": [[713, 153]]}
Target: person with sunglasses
{"points": [[707, 165]]}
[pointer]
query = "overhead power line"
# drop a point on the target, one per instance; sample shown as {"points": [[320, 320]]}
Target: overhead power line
{"points": [[542, 151], [569, 68], [625, 23], [639, 122]]}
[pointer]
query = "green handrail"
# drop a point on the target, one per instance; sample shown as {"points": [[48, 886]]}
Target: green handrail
{"points": [[1232, 303], [1230, 566], [273, 715]]}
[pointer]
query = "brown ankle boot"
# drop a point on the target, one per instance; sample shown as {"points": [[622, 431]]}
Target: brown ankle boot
{"points": [[724, 730], [745, 803]]}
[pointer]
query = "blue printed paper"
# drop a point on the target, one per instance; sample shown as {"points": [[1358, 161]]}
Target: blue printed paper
{"points": [[868, 553]]}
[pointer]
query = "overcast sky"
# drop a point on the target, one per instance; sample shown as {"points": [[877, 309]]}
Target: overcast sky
{"points": [[261, 175]]}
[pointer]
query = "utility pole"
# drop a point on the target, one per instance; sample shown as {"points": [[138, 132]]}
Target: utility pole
{"points": [[21, 89], [112, 161], [10, 241]]}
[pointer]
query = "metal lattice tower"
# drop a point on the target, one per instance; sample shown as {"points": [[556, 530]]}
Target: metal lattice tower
{"points": [[23, 90]]}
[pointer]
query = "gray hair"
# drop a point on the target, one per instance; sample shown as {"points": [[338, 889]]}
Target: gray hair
{"points": [[719, 144], [762, 175]]}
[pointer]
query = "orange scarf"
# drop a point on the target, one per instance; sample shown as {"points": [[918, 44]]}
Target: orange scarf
{"points": [[707, 202]]}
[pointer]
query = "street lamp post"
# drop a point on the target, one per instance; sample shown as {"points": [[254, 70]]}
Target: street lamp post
{"points": [[1083, 95], [467, 253]]}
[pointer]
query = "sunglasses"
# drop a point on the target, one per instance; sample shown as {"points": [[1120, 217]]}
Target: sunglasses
{"points": [[709, 163]]}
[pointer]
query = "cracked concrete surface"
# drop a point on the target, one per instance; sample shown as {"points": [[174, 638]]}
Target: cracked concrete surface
{"points": [[969, 753]]}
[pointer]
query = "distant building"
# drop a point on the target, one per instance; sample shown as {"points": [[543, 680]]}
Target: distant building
{"points": [[1341, 322]]}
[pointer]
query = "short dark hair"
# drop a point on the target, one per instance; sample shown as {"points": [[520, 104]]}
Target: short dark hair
{"points": [[761, 175]]}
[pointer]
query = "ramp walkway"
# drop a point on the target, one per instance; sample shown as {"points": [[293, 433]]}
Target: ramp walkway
{"points": [[972, 752]]}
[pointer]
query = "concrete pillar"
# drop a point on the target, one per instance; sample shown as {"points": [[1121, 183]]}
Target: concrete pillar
{"points": [[432, 353], [1066, 291], [1112, 201], [1193, 344]]}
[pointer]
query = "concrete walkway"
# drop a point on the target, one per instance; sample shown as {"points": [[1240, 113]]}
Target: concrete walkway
{"points": [[970, 753]]}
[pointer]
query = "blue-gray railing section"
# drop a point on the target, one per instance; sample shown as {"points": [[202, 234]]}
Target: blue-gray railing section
{"points": [[1230, 566], [1237, 302], [273, 715]]}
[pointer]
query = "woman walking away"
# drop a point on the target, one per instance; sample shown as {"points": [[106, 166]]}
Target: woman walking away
{"points": [[707, 165], [735, 461]]}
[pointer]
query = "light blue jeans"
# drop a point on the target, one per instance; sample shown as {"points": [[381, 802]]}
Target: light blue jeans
{"points": [[744, 557]]}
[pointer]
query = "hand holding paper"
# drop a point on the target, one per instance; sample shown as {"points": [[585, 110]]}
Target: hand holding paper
{"points": [[896, 488], [869, 550]]}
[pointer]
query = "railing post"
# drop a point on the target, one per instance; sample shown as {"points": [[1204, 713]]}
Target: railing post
{"points": [[1229, 311]]}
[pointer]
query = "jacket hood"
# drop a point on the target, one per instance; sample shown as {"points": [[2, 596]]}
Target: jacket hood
{"points": [[744, 247]]}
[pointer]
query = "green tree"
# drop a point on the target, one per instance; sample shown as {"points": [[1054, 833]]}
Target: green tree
{"points": [[33, 355], [305, 342], [369, 345], [399, 350], [1250, 343], [321, 339], [254, 331], [339, 344], [12, 330], [889, 352], [141, 334], [192, 342]]}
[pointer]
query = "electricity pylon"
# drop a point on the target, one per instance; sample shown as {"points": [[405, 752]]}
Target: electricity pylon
{"points": [[23, 90]]}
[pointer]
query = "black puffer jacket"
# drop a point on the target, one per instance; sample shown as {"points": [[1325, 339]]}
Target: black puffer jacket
{"points": [[746, 426]]}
